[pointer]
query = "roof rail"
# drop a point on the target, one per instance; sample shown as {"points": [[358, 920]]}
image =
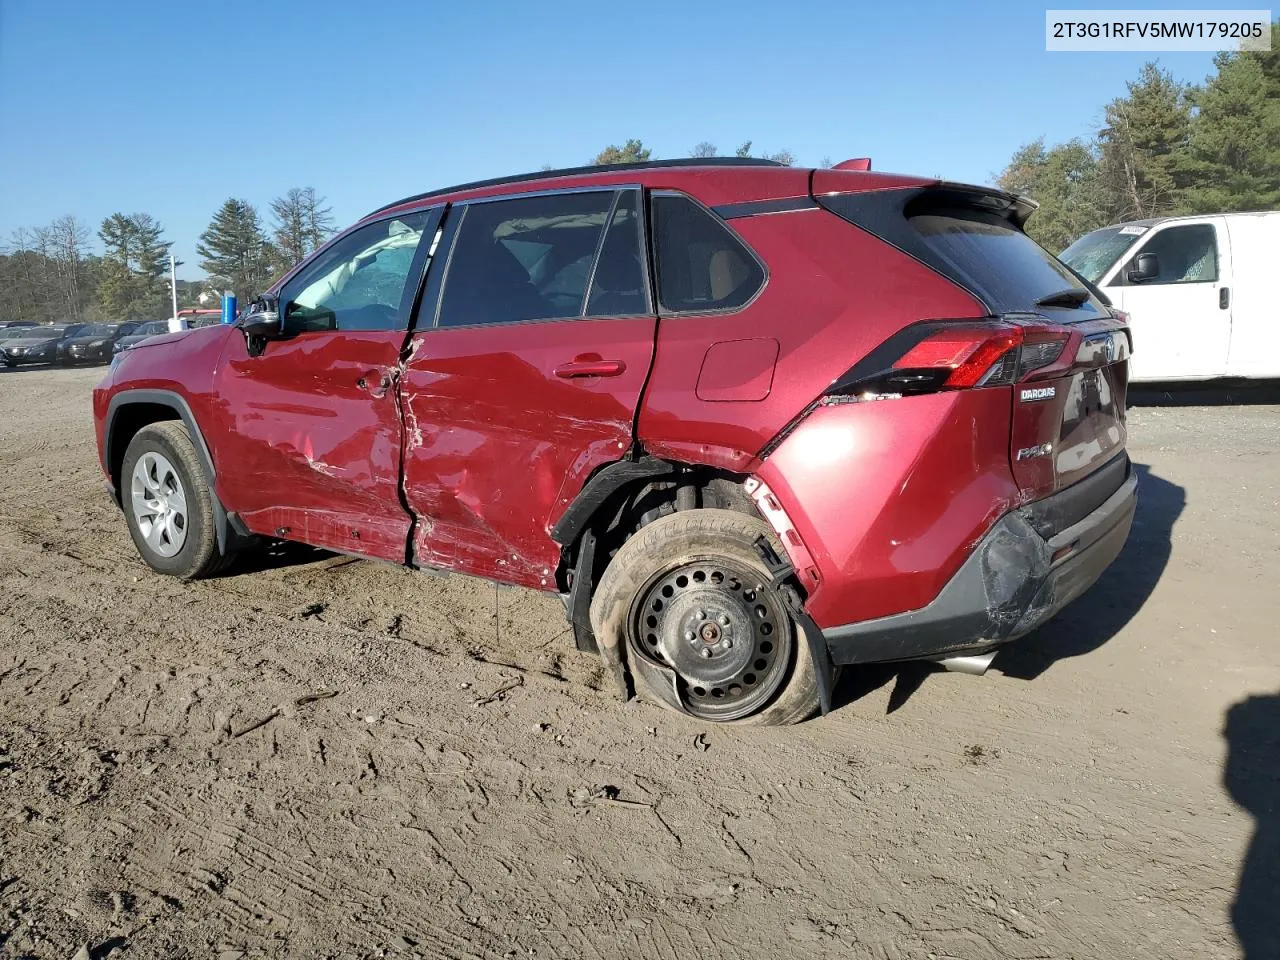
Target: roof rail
{"points": [[579, 171]]}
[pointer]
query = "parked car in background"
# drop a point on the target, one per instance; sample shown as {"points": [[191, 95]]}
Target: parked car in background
{"points": [[8, 333], [37, 344], [150, 328], [1199, 292], [95, 343], [752, 422], [11, 324]]}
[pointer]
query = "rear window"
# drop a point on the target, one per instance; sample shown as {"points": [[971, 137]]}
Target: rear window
{"points": [[967, 235], [702, 265], [997, 261]]}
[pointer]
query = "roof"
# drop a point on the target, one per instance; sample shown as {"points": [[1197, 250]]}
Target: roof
{"points": [[584, 171], [1152, 221]]}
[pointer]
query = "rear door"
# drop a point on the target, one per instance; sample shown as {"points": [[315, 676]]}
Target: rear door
{"points": [[1181, 318], [532, 346], [311, 448]]}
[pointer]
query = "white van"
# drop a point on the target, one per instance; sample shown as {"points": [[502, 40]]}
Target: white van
{"points": [[1201, 292]]}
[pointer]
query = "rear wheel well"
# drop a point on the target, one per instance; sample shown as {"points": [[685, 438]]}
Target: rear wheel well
{"points": [[639, 503], [128, 420]]}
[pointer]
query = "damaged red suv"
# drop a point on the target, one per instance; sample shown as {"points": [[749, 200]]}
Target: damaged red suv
{"points": [[751, 422]]}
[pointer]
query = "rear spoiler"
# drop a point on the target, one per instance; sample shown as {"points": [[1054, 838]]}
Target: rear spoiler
{"points": [[1014, 208]]}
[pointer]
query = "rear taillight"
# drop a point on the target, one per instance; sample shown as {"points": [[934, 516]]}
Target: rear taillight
{"points": [[952, 355]]}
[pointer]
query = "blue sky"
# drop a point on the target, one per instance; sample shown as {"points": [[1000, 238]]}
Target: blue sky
{"points": [[170, 109]]}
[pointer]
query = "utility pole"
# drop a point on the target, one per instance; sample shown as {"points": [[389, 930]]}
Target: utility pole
{"points": [[174, 325]]}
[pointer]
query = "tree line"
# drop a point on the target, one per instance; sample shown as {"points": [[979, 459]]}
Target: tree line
{"points": [[1163, 148], [55, 273]]}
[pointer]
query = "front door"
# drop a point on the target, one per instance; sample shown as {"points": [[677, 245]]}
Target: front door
{"points": [[524, 375], [312, 448], [1181, 317]]}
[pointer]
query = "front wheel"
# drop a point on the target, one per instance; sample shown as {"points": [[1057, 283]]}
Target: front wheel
{"points": [[168, 504], [690, 594]]}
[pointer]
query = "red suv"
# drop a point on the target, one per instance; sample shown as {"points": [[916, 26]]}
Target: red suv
{"points": [[751, 422]]}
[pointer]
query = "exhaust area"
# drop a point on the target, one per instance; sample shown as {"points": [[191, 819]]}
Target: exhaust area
{"points": [[974, 664]]}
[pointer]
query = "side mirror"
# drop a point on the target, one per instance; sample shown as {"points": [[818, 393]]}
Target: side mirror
{"points": [[1145, 267], [263, 319]]}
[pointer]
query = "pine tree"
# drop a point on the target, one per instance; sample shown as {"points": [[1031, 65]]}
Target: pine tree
{"points": [[235, 251], [1143, 143], [1234, 155], [1064, 181], [131, 283], [301, 225]]}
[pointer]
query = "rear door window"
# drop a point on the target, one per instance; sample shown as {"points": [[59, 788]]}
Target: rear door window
{"points": [[618, 286], [526, 258], [702, 266]]}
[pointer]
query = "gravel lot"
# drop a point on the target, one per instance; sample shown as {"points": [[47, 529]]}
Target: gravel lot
{"points": [[464, 788]]}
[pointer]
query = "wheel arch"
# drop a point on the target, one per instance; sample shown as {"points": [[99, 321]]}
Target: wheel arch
{"points": [[131, 410], [618, 500]]}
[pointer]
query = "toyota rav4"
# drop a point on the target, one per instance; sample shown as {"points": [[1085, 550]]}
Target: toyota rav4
{"points": [[751, 422]]}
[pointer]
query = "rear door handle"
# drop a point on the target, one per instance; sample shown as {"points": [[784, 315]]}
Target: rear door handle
{"points": [[590, 368], [1224, 298]]}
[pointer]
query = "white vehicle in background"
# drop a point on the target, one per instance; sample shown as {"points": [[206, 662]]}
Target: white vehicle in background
{"points": [[1201, 292]]}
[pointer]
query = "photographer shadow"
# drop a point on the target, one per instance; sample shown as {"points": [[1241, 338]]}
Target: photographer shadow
{"points": [[1252, 778]]}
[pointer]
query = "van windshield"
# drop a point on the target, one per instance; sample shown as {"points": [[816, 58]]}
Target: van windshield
{"points": [[1094, 254]]}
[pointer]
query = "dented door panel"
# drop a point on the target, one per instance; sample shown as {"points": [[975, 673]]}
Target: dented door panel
{"points": [[503, 426], [310, 447]]}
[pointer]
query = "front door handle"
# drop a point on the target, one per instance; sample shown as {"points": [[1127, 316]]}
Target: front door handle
{"points": [[1224, 298], [590, 368]]}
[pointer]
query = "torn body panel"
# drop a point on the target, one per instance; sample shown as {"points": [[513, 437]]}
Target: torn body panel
{"points": [[500, 439]]}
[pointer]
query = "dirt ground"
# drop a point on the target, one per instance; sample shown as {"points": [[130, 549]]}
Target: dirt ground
{"points": [[462, 787]]}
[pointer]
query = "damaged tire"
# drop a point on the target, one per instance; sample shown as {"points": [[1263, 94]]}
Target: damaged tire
{"points": [[691, 605], [168, 504]]}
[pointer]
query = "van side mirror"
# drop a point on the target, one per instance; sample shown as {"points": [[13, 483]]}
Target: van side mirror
{"points": [[1146, 266], [262, 319]]}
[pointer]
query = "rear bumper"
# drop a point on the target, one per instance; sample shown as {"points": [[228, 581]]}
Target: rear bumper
{"points": [[1007, 587]]}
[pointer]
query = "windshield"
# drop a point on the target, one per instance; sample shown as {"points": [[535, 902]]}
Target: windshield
{"points": [[31, 333], [1094, 254], [152, 328], [97, 330]]}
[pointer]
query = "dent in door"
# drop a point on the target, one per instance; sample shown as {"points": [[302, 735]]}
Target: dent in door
{"points": [[315, 440], [496, 444]]}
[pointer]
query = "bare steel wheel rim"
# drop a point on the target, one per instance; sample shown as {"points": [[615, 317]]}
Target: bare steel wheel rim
{"points": [[722, 629], [159, 504]]}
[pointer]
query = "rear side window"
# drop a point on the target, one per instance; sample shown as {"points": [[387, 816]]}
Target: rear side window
{"points": [[702, 266], [528, 258], [997, 260]]}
